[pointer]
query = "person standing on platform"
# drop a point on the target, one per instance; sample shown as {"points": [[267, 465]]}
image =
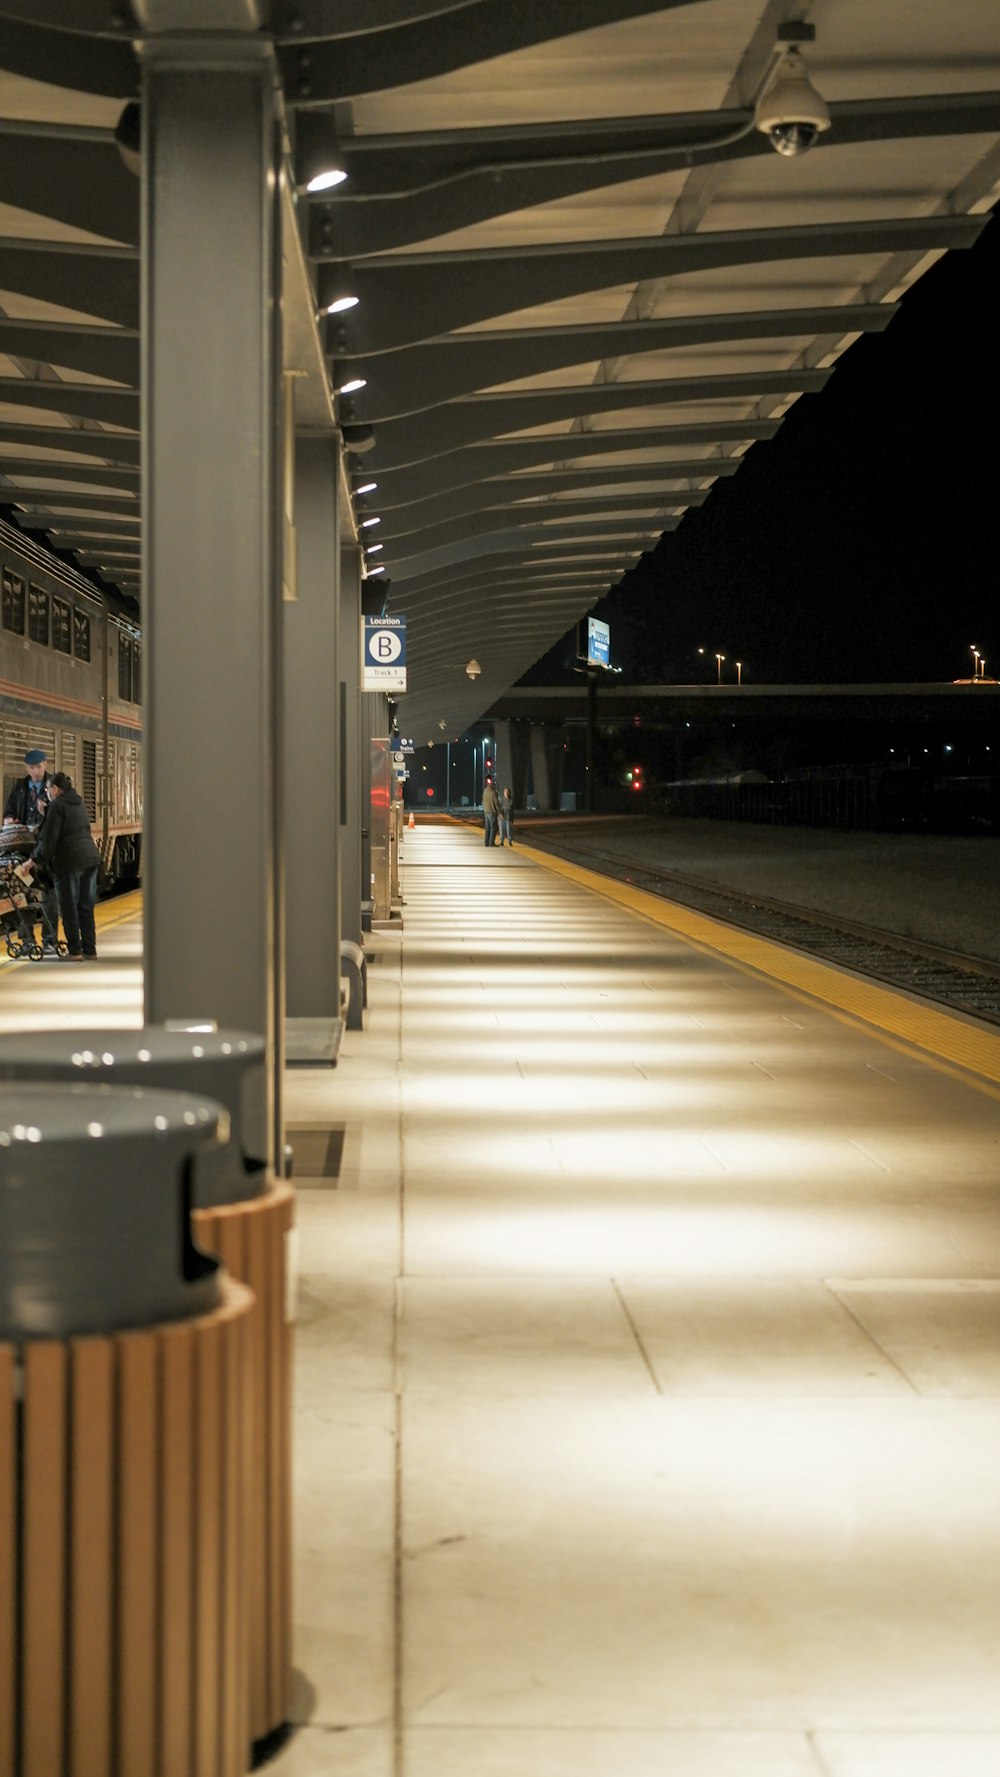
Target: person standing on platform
{"points": [[507, 819], [66, 850], [27, 805], [491, 812]]}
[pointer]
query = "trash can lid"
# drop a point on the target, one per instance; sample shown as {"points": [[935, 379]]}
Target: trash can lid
{"points": [[35, 1114], [226, 1066], [93, 1051], [96, 1187]]}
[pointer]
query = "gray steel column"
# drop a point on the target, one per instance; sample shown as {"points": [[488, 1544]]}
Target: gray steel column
{"points": [[503, 757], [211, 349], [540, 770], [312, 741], [350, 763]]}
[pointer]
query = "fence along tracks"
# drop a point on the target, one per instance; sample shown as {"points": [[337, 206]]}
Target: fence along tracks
{"points": [[967, 984]]}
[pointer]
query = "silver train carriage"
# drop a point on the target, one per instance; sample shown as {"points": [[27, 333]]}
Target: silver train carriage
{"points": [[71, 682]]}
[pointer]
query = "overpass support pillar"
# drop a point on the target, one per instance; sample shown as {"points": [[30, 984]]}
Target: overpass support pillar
{"points": [[211, 372], [312, 757], [503, 759], [540, 781]]}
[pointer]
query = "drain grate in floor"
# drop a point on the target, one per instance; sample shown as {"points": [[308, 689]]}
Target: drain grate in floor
{"points": [[316, 1153]]}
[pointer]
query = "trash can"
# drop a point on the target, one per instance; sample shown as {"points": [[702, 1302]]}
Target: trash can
{"points": [[124, 1419], [243, 1215]]}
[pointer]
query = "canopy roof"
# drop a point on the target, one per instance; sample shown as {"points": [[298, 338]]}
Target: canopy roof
{"points": [[587, 283]]}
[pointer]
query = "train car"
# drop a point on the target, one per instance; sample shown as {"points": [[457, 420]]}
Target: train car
{"points": [[71, 682]]}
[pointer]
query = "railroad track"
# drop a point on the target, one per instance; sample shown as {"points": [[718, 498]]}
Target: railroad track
{"points": [[969, 984]]}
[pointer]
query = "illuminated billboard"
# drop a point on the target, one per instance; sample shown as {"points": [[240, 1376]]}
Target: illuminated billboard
{"points": [[598, 643]]}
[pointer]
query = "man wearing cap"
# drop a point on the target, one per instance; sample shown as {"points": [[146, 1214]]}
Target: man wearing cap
{"points": [[27, 804]]}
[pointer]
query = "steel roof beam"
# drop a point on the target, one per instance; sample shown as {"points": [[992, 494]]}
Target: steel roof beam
{"points": [[409, 297], [599, 556], [406, 482], [99, 281], [109, 505], [414, 186], [487, 496], [472, 418], [319, 72], [43, 470], [112, 352], [123, 446], [603, 530], [425, 376], [69, 175], [93, 401], [536, 511]]}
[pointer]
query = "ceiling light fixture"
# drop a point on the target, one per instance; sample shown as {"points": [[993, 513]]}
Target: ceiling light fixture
{"points": [[367, 487], [319, 164], [366, 523], [352, 385]]}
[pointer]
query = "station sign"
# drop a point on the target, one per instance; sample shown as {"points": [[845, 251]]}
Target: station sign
{"points": [[383, 654]]}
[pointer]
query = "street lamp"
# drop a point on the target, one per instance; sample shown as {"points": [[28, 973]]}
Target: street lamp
{"points": [[975, 660], [739, 672], [719, 658]]}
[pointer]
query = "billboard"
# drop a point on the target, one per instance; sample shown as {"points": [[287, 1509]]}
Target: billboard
{"points": [[598, 643]]}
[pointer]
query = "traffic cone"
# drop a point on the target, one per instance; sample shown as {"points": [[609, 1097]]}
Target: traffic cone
{"points": [[411, 823]]}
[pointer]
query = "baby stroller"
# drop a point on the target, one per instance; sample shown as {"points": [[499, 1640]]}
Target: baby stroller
{"points": [[22, 894]]}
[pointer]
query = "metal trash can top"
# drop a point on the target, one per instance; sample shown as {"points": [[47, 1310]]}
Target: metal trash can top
{"points": [[226, 1066], [95, 1209]]}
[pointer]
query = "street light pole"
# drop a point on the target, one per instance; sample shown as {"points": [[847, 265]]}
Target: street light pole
{"points": [[719, 659]]}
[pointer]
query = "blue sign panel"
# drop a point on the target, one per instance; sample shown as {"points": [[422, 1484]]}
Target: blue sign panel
{"points": [[598, 643], [383, 657]]}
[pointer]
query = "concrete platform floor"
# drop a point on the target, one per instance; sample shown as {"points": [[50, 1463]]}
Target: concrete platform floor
{"points": [[648, 1371]]}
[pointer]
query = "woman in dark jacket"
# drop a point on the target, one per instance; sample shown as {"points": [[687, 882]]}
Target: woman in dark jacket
{"points": [[67, 851]]}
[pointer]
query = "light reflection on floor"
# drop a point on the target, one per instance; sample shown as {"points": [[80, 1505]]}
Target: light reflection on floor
{"points": [[691, 1479]]}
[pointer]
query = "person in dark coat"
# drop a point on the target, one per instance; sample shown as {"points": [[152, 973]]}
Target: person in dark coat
{"points": [[26, 806], [507, 819], [66, 850], [491, 812]]}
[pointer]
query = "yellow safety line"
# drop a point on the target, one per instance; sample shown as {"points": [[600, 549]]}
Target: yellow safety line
{"points": [[116, 912], [940, 1035]]}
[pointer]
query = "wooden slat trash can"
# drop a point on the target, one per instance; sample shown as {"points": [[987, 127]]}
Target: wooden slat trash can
{"points": [[124, 1429], [243, 1214]]}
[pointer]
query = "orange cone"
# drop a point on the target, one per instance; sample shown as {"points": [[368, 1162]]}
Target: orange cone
{"points": [[411, 823]]}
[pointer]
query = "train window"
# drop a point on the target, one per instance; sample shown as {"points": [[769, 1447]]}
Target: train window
{"points": [[62, 626], [81, 635], [38, 615], [13, 603], [124, 667]]}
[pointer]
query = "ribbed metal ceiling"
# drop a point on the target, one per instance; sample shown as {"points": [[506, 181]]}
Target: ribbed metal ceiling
{"points": [[587, 284]]}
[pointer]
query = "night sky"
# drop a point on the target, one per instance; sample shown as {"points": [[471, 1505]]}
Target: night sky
{"points": [[861, 543]]}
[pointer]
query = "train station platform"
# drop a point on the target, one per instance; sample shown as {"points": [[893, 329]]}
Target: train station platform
{"points": [[648, 1379]]}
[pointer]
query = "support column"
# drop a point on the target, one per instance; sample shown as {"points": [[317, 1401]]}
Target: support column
{"points": [[503, 757], [211, 255], [312, 762], [350, 763], [540, 770]]}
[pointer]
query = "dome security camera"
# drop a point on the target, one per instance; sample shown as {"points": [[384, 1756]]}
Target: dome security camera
{"points": [[790, 112], [473, 669]]}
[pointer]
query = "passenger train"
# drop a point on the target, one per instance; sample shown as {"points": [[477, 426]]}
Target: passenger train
{"points": [[71, 682]]}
